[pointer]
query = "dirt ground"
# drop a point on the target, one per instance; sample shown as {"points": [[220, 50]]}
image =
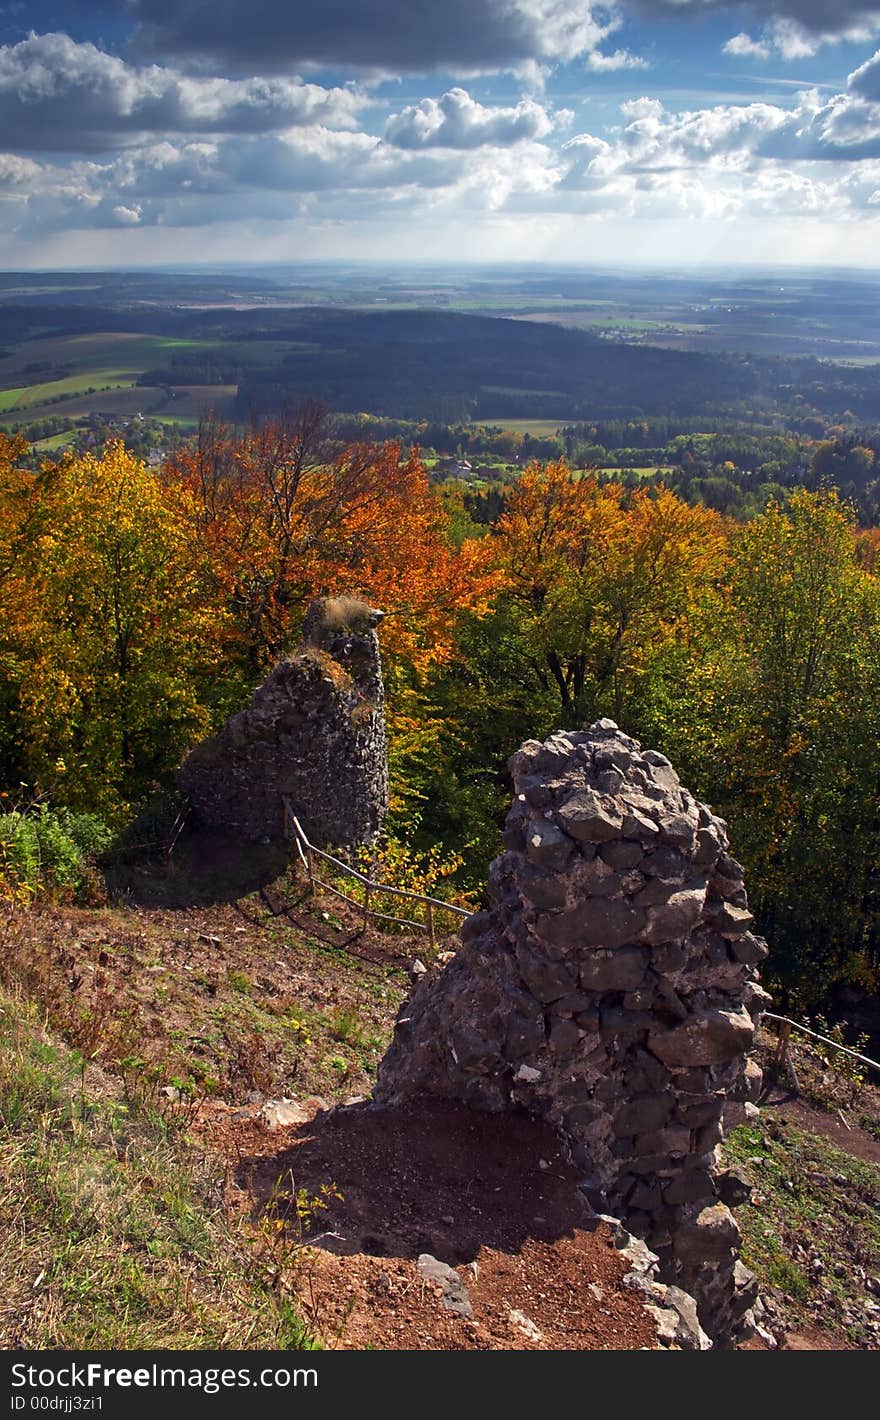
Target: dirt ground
{"points": [[219, 981], [491, 1196]]}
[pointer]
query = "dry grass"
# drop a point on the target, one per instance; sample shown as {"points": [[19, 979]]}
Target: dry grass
{"points": [[115, 1235]]}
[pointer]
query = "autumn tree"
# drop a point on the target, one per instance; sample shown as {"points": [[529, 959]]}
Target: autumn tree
{"points": [[283, 519], [804, 735], [116, 643], [601, 577], [19, 595]]}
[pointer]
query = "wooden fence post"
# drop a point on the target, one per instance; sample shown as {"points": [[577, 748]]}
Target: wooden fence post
{"points": [[782, 1045]]}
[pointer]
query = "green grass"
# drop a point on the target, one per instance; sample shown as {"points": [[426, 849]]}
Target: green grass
{"points": [[26, 396], [55, 441], [539, 428], [812, 1231], [116, 1233]]}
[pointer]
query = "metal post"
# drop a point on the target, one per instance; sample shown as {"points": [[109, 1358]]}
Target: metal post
{"points": [[430, 906], [367, 887]]}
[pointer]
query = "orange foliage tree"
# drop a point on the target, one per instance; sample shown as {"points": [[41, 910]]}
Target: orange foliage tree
{"points": [[601, 576], [283, 518]]}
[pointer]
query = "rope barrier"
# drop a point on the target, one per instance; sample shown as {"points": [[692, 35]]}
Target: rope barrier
{"points": [[294, 829], [796, 1025]]}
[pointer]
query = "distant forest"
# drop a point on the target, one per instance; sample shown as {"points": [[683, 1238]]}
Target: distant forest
{"points": [[451, 367]]}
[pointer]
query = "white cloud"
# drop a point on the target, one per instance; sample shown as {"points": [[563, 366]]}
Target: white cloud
{"points": [[865, 81], [456, 120], [791, 38], [743, 46], [63, 96], [619, 59]]}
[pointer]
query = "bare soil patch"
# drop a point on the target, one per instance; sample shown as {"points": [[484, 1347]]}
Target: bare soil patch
{"points": [[490, 1195]]}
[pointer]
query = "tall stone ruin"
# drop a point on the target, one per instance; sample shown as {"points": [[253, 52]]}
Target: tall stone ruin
{"points": [[612, 989], [313, 732]]}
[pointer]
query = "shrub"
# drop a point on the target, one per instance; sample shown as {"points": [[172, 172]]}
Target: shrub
{"points": [[49, 851]]}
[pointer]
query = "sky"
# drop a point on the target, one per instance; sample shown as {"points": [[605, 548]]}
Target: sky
{"points": [[665, 133]]}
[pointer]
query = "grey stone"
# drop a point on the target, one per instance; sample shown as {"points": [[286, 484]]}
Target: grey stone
{"points": [[689, 1334], [313, 731], [734, 1188], [708, 1038], [547, 980], [595, 922], [587, 818], [696, 1116], [475, 925], [708, 848], [646, 1196], [680, 831], [710, 1237], [525, 1036], [453, 1292], [578, 1001], [731, 921], [653, 894], [640, 827], [755, 998], [677, 916], [730, 869], [547, 846], [674, 1139], [620, 970], [564, 1035], [691, 1186], [643, 1113], [282, 1114], [749, 949], [543, 892], [641, 999], [666, 863], [621, 854]]}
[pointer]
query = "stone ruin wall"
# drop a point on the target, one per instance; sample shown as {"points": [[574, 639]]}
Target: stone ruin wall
{"points": [[314, 731], [612, 988]]}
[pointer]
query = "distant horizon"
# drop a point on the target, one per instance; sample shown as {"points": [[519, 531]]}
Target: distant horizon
{"points": [[433, 264]]}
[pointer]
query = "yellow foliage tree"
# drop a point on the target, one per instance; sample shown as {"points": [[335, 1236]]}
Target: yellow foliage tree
{"points": [[602, 577], [115, 638]]}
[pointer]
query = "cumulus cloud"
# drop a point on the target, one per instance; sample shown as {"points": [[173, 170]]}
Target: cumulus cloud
{"points": [[193, 151], [744, 47], [619, 59], [457, 121], [458, 36], [865, 81], [63, 96], [790, 39]]}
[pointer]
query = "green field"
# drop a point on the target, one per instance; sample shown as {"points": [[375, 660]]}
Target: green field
{"points": [[56, 441], [538, 428], [26, 396]]}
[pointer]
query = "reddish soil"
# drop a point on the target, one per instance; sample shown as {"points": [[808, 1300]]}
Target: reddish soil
{"points": [[467, 1188], [846, 1132], [218, 970]]}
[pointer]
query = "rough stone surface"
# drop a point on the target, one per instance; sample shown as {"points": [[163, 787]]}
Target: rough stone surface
{"points": [[453, 1293], [610, 989], [314, 731]]}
